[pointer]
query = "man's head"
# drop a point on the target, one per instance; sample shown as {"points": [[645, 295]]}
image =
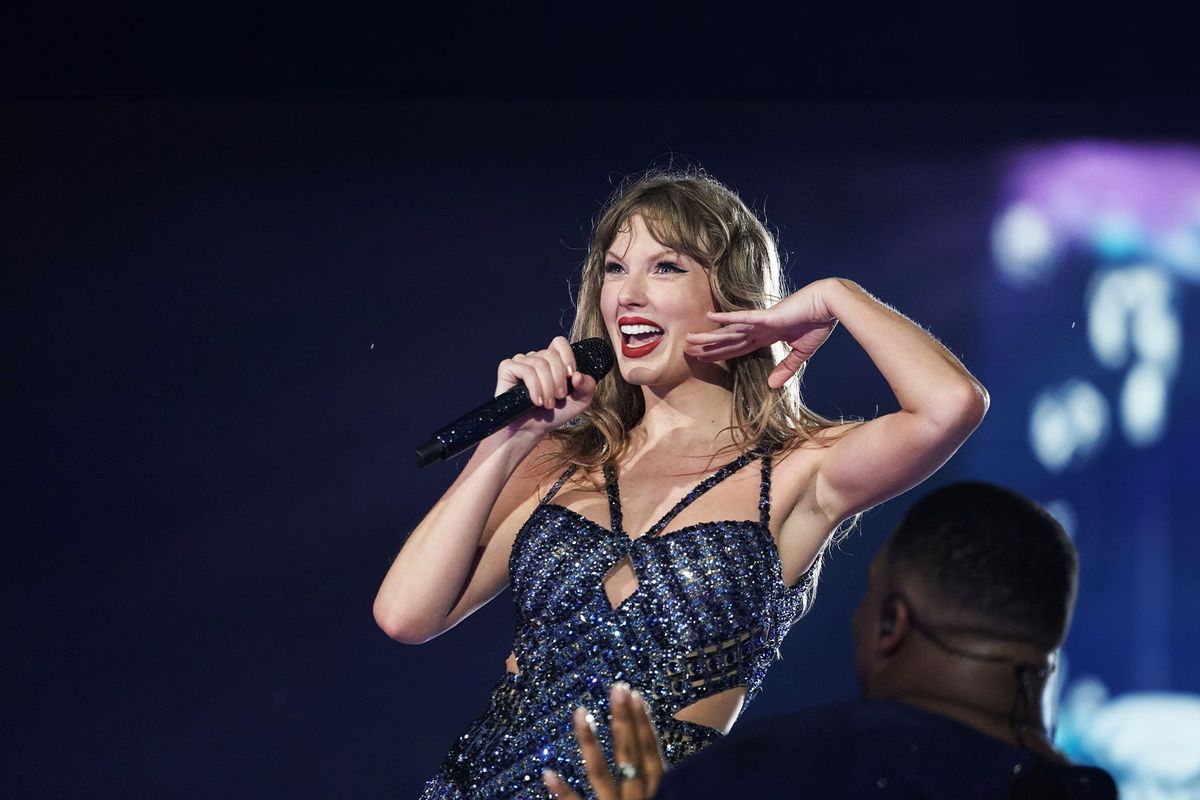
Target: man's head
{"points": [[969, 561]]}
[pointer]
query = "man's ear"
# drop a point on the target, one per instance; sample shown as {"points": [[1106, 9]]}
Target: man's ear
{"points": [[894, 623]]}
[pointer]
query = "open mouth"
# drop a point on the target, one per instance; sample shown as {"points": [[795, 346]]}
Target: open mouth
{"points": [[639, 336]]}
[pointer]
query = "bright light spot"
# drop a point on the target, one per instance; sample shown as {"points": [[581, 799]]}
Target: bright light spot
{"points": [[1106, 320], [1050, 434], [1147, 284], [1068, 424], [1023, 245], [1149, 738], [1144, 404], [1088, 413], [1156, 336], [1134, 306], [1149, 741]]}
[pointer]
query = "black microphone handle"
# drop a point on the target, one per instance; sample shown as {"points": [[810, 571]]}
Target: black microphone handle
{"points": [[593, 357], [475, 426]]}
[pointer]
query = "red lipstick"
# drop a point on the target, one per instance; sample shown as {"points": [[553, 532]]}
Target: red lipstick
{"points": [[640, 351]]}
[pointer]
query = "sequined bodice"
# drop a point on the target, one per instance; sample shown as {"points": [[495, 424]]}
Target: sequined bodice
{"points": [[708, 614]]}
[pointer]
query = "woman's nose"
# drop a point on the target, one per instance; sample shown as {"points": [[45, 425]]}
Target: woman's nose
{"points": [[633, 291]]}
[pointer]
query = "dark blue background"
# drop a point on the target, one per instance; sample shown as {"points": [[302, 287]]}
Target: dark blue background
{"points": [[239, 289]]}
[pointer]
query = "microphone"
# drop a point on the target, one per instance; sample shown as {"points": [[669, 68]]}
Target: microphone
{"points": [[594, 357]]}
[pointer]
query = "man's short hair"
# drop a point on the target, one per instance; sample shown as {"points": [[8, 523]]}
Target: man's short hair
{"points": [[992, 555]]}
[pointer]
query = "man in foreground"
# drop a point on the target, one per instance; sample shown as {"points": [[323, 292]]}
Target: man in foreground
{"points": [[967, 603]]}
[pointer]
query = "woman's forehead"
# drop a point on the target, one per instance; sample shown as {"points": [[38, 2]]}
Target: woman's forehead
{"points": [[638, 224], [663, 231]]}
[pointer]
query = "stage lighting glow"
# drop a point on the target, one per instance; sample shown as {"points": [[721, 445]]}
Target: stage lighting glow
{"points": [[1144, 404], [1131, 314], [1068, 424], [1134, 307], [1050, 434], [1107, 311], [1088, 414], [1157, 336], [1117, 237], [1023, 245], [1149, 741], [1119, 201]]}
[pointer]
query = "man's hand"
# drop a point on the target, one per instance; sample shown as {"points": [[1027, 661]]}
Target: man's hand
{"points": [[639, 758]]}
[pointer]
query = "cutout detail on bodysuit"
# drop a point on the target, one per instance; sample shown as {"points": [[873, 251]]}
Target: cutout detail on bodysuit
{"points": [[713, 667], [727, 705], [708, 616], [620, 582]]}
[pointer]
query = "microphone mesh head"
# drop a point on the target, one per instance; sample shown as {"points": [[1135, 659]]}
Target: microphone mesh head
{"points": [[594, 356]]}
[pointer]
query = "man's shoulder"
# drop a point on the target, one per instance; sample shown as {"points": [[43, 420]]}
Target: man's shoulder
{"points": [[786, 746], [842, 721], [1067, 781], [857, 749]]}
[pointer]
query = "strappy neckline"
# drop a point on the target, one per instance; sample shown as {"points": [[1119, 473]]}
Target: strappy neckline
{"points": [[616, 515]]}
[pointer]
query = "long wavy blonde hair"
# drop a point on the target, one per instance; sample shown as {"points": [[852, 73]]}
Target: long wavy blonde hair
{"points": [[695, 215]]}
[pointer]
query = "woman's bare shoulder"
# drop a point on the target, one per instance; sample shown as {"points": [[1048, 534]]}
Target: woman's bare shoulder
{"points": [[526, 487], [542, 467]]}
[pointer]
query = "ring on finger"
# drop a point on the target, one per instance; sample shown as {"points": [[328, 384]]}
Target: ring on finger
{"points": [[626, 771]]}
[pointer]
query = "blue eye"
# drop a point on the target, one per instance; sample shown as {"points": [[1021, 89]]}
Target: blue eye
{"points": [[669, 266], [612, 267]]}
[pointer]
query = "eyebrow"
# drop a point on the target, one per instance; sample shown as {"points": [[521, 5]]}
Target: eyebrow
{"points": [[665, 253]]}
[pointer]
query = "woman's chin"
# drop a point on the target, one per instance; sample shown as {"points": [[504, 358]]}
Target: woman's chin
{"points": [[640, 375], [655, 379]]}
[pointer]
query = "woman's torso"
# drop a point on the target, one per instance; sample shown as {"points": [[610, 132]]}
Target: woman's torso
{"points": [[690, 611]]}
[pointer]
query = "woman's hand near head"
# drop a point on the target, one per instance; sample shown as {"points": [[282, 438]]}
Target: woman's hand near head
{"points": [[940, 404], [558, 391], [802, 320]]}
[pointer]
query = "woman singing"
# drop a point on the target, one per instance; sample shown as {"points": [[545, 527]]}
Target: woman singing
{"points": [[664, 528]]}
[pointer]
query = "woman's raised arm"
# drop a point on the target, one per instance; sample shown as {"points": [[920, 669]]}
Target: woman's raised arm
{"points": [[941, 403]]}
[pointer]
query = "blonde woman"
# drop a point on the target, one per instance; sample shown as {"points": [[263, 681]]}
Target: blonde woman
{"points": [[665, 527]]}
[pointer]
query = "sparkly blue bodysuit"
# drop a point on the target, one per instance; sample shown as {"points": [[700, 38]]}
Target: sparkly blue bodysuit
{"points": [[708, 614]]}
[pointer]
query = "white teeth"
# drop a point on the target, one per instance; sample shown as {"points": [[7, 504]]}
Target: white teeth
{"points": [[630, 330]]}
